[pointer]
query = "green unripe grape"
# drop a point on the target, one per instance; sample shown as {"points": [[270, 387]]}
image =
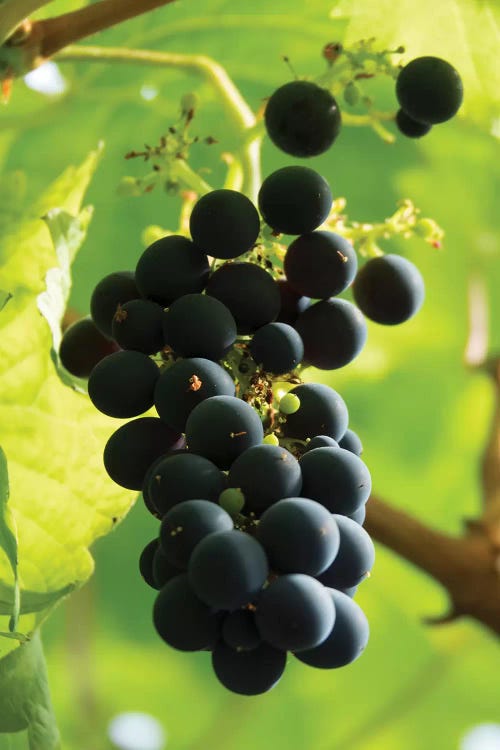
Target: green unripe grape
{"points": [[271, 439], [352, 93], [232, 500], [289, 404], [128, 187]]}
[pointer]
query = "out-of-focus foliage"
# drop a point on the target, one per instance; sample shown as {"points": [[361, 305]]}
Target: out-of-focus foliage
{"points": [[422, 416]]}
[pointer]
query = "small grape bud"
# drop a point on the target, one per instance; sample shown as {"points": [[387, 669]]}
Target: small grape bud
{"points": [[232, 500], [289, 404], [271, 439]]}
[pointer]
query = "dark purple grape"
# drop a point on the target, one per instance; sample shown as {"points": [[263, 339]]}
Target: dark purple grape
{"points": [[83, 346], [224, 223]]}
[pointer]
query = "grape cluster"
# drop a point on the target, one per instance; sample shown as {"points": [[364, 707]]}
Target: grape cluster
{"points": [[429, 91], [254, 476]]}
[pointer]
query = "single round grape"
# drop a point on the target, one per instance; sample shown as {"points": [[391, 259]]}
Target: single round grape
{"points": [[265, 474], [429, 90], [183, 476], [289, 404], [134, 446], [122, 384], [186, 524], [277, 348], [185, 385], [248, 672], [224, 223], [271, 439], [163, 570], [248, 291], [223, 427], [351, 442], [292, 304], [294, 200], [138, 325], [83, 346], [320, 264], [354, 559], [232, 500], [336, 478], [295, 612], [146, 562], [333, 332], [302, 119], [182, 620], [389, 289], [197, 325], [171, 267], [148, 479], [239, 630], [322, 412], [409, 127], [321, 441], [299, 536], [113, 290], [347, 640], [228, 569]]}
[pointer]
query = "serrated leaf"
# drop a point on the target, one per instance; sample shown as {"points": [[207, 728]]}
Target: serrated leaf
{"points": [[60, 495], [464, 32]]}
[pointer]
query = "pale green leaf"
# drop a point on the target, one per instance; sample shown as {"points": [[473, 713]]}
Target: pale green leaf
{"points": [[464, 32], [60, 495]]}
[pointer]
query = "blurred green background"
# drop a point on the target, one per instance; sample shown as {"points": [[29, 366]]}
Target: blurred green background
{"points": [[423, 417]]}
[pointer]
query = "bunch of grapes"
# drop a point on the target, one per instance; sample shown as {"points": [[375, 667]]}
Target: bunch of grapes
{"points": [[254, 476], [303, 118], [261, 493]]}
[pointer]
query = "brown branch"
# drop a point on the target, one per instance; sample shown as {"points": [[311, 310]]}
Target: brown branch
{"points": [[58, 32], [467, 567]]}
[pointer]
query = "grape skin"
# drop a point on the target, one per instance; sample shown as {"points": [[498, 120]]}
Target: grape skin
{"points": [[334, 333], [389, 289], [228, 569], [134, 446], [302, 119], [239, 630], [336, 478], [225, 223], [322, 411], [83, 346], [347, 640], [137, 325], [294, 200], [239, 286], [122, 385], [429, 90], [277, 348], [182, 620], [182, 476], [292, 304], [265, 474], [163, 570], [221, 428], [295, 612], [322, 441], [351, 442], [170, 268], [248, 672], [299, 536], [146, 562], [320, 264], [185, 385], [113, 290], [354, 559], [409, 127], [197, 325], [185, 525]]}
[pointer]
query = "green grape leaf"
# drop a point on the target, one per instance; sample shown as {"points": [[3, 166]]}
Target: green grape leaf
{"points": [[26, 704], [8, 542], [60, 496], [464, 32]]}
